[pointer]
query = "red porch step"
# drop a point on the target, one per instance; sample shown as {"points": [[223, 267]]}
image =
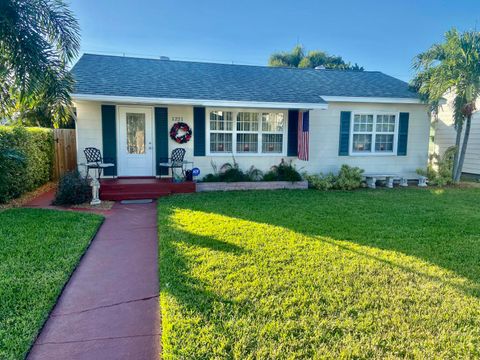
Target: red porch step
{"points": [[141, 188]]}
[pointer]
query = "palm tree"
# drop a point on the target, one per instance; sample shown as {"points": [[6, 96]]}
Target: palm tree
{"points": [[299, 59], [38, 39], [453, 65]]}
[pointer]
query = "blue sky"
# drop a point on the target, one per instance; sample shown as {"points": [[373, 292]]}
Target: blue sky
{"points": [[379, 35]]}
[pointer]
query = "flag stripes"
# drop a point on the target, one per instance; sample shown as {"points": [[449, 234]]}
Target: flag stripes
{"points": [[303, 134]]}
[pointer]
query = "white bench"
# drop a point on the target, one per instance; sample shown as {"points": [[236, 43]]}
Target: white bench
{"points": [[422, 180], [371, 180]]}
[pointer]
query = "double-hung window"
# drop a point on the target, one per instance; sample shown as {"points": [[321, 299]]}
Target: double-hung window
{"points": [[221, 131], [273, 128], [246, 132], [373, 133]]}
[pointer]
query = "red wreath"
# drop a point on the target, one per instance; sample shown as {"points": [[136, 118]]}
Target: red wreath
{"points": [[185, 129]]}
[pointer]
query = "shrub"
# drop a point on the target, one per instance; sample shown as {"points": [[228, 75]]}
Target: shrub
{"points": [[72, 189], [321, 181], [283, 172], [442, 174], [348, 178], [27, 160], [231, 172]]}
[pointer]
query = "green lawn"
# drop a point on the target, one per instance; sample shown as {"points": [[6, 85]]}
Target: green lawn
{"points": [[310, 274], [39, 249]]}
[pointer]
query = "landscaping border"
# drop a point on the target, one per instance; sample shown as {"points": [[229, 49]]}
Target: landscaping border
{"points": [[251, 185]]}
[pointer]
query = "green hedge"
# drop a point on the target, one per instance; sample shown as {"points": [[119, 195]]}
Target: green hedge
{"points": [[26, 160]]}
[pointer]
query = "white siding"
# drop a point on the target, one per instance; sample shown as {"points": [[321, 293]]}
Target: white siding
{"points": [[325, 129], [89, 128], [324, 140], [445, 135]]}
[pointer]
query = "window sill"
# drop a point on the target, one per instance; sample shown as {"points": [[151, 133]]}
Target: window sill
{"points": [[246, 154], [373, 154]]}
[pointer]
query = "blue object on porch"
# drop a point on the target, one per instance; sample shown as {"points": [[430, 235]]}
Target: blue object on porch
{"points": [[195, 171]]}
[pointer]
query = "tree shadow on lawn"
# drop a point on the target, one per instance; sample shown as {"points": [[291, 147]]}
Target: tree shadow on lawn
{"points": [[440, 228], [175, 279]]}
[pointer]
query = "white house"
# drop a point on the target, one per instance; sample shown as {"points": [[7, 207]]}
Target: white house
{"points": [[127, 106], [445, 135]]}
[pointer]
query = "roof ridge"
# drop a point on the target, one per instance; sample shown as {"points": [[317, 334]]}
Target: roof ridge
{"points": [[226, 64]]}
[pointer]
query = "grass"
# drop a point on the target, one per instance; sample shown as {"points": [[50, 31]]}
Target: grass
{"points": [[39, 249], [309, 274]]}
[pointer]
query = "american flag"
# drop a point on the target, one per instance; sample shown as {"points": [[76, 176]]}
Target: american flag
{"points": [[303, 135]]}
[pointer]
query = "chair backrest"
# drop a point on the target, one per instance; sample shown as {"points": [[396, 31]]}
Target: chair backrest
{"points": [[178, 155], [92, 154]]}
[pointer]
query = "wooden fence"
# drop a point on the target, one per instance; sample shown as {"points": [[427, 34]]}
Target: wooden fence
{"points": [[65, 151]]}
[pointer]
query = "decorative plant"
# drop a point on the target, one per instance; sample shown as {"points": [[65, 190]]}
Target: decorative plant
{"points": [[439, 171], [283, 172], [348, 178], [321, 181], [72, 189], [231, 172]]}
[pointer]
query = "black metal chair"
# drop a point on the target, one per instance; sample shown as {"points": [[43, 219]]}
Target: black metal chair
{"points": [[95, 161], [175, 161]]}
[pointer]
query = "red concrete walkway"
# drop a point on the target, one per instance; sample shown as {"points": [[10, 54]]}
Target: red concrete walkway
{"points": [[109, 308]]}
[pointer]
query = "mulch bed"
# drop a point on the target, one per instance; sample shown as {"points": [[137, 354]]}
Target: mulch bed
{"points": [[27, 197]]}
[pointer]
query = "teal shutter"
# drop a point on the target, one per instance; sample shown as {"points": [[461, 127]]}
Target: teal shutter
{"points": [[344, 145], [292, 148], [109, 138], [161, 139], [403, 134], [199, 131]]}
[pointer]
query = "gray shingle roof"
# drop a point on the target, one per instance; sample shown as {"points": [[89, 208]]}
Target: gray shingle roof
{"points": [[152, 78]]}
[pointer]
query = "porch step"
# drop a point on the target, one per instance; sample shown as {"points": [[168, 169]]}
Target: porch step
{"points": [[137, 195], [141, 188]]}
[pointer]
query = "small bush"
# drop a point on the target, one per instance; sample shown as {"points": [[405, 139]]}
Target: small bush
{"points": [[27, 160], [443, 173], [321, 181], [73, 189], [231, 172], [283, 172], [348, 178]]}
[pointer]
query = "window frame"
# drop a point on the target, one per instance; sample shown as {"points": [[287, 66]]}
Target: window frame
{"points": [[234, 132], [374, 132], [209, 131]]}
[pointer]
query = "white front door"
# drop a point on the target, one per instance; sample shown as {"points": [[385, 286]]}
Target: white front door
{"points": [[135, 142]]}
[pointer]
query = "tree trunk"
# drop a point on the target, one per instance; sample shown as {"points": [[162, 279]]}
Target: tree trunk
{"points": [[457, 150], [461, 159]]}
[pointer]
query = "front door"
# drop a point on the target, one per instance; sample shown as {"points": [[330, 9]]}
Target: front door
{"points": [[135, 150]]}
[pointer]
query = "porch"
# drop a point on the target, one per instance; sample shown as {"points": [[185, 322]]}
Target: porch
{"points": [[142, 188]]}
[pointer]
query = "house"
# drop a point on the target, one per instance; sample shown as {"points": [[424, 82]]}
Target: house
{"points": [[445, 135], [126, 107]]}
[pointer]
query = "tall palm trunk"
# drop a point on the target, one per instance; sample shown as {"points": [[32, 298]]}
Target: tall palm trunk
{"points": [[461, 159], [457, 149]]}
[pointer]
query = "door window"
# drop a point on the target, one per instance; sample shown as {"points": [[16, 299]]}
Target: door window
{"points": [[135, 133]]}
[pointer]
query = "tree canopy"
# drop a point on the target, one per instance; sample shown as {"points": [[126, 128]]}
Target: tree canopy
{"points": [[299, 58], [38, 39], [453, 65]]}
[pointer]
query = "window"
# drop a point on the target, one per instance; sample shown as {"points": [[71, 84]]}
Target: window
{"points": [[135, 133], [247, 132], [373, 133], [221, 131]]}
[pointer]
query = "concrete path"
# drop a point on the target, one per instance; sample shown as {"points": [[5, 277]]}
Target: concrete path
{"points": [[109, 308]]}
